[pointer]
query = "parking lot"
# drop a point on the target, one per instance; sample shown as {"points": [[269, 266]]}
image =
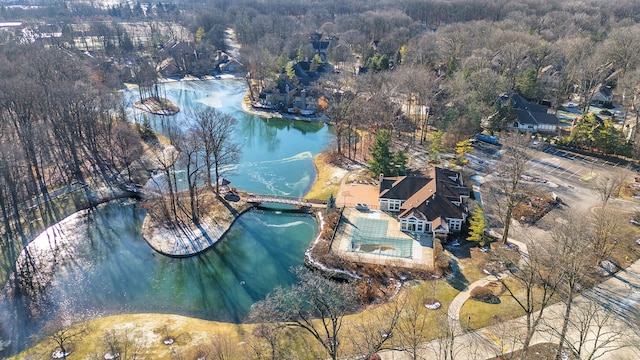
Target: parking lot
{"points": [[548, 161]]}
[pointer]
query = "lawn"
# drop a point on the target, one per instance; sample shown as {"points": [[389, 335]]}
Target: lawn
{"points": [[328, 179], [190, 335]]}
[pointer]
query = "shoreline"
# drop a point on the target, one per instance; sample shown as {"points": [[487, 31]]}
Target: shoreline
{"points": [[189, 239], [249, 109]]}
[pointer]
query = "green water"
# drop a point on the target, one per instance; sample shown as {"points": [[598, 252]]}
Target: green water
{"points": [[103, 265]]}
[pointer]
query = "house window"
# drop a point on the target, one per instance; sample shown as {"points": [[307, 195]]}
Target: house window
{"points": [[412, 225], [390, 205], [455, 225]]}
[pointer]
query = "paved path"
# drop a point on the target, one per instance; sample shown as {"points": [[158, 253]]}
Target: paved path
{"points": [[620, 294], [463, 296]]}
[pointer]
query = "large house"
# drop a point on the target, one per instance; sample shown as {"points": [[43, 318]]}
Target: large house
{"points": [[532, 117], [602, 96], [431, 204]]}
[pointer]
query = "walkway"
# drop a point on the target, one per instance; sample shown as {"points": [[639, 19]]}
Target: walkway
{"points": [[463, 296], [278, 199], [620, 295]]}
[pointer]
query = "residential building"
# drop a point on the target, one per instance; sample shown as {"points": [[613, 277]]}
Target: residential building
{"points": [[602, 96], [531, 117], [431, 204], [280, 95]]}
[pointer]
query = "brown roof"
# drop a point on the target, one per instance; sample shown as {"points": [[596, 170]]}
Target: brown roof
{"points": [[427, 197]]}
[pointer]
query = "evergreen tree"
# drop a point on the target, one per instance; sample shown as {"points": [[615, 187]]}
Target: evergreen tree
{"points": [[380, 162], [315, 63], [331, 202], [291, 72], [435, 146], [400, 159], [478, 226], [300, 54], [527, 83], [200, 34]]}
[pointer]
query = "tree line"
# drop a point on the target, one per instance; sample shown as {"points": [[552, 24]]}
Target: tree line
{"points": [[433, 64]]}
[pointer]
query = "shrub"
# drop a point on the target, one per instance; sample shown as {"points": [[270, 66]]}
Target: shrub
{"points": [[484, 294]]}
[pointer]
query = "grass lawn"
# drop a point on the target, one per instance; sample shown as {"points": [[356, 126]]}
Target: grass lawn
{"points": [[483, 314], [471, 267], [148, 331], [328, 179], [477, 314], [191, 335]]}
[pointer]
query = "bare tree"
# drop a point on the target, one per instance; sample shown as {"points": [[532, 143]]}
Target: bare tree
{"points": [[608, 185], [222, 348], [190, 158], [64, 334], [622, 48], [446, 347], [587, 69], [606, 223], [413, 328], [341, 112], [166, 159], [268, 337], [126, 146], [509, 190], [532, 285], [373, 333], [313, 297], [593, 331], [571, 240], [214, 131], [122, 344]]}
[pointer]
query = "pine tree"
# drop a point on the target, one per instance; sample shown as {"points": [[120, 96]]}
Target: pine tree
{"points": [[435, 146], [200, 34], [478, 226], [315, 63], [331, 202], [381, 154]]}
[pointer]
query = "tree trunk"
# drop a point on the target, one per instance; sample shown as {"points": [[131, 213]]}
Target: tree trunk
{"points": [[507, 225], [565, 323]]}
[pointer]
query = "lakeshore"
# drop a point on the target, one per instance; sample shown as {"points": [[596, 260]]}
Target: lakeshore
{"points": [[185, 238]]}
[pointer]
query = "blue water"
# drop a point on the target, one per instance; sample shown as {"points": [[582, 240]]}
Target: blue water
{"points": [[104, 266], [277, 155]]}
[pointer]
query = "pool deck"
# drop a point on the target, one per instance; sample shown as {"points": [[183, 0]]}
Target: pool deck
{"points": [[421, 253]]}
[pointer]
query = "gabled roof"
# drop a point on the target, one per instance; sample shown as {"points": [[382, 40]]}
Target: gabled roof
{"points": [[531, 113], [604, 91], [520, 103], [285, 86], [402, 187], [528, 117], [427, 197]]}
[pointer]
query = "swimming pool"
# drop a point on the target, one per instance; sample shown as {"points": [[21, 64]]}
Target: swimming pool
{"points": [[369, 236]]}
